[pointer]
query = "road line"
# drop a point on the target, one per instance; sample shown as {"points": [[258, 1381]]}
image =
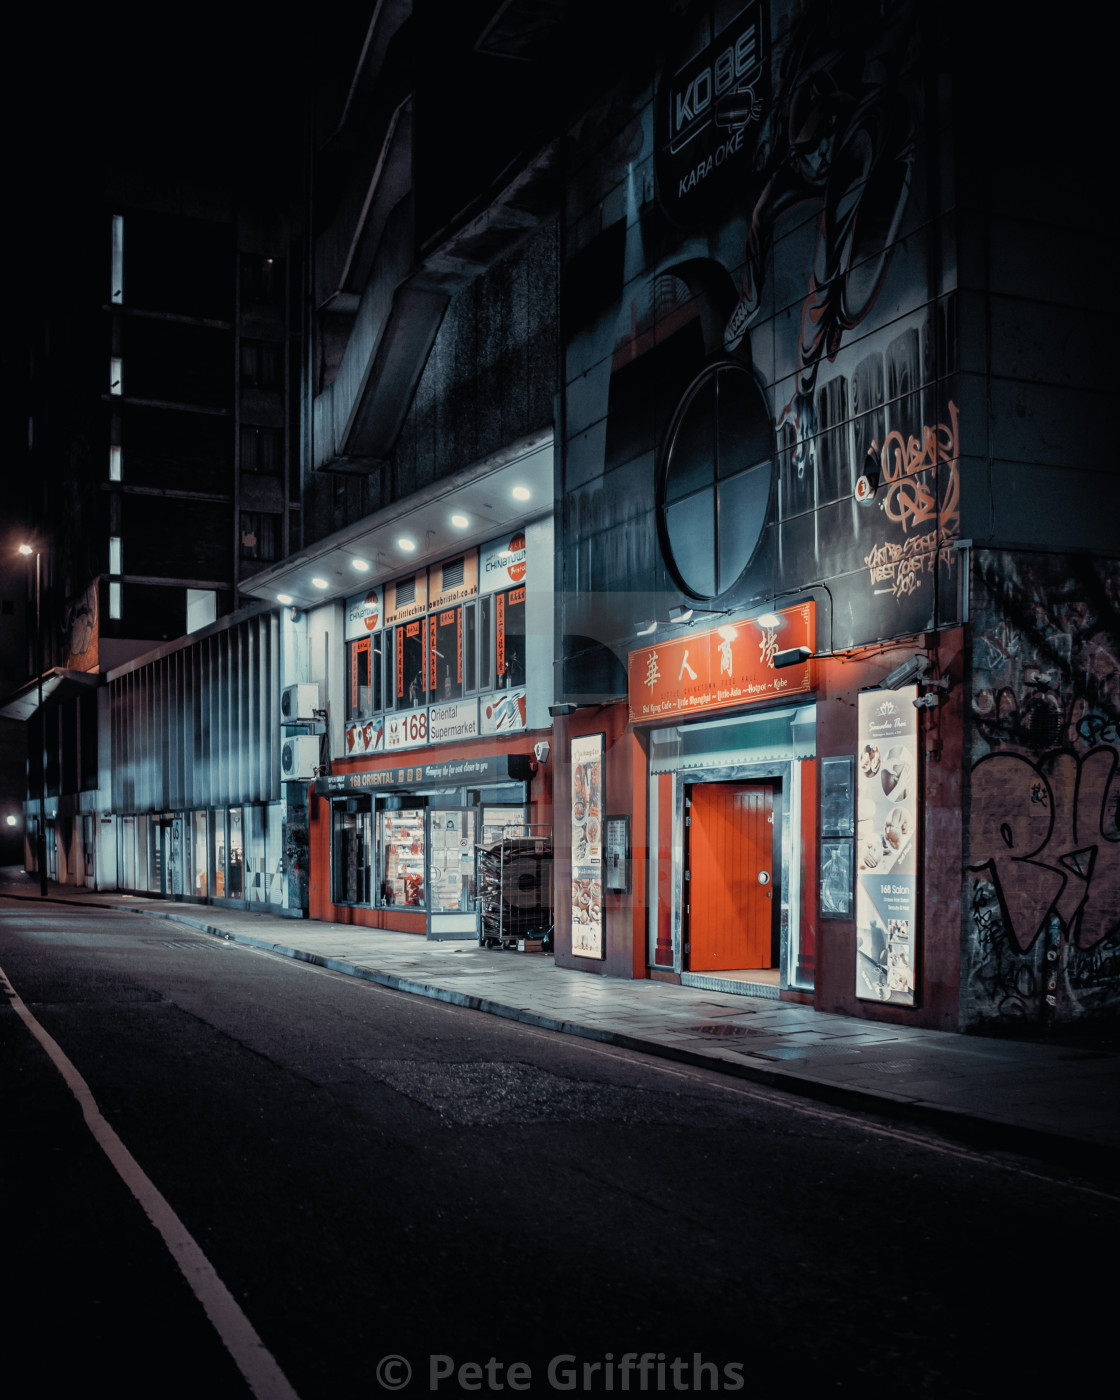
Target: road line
{"points": [[253, 1360]]}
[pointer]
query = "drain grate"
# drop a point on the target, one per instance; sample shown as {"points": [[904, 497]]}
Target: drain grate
{"points": [[722, 1030], [180, 945]]}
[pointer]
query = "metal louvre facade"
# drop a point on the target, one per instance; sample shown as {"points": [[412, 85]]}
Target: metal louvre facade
{"points": [[200, 727]]}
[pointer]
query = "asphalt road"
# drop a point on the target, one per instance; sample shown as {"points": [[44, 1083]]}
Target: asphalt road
{"points": [[374, 1175]]}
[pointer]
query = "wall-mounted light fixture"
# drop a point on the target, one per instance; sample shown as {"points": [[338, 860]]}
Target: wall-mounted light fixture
{"points": [[557, 711], [794, 656], [646, 627], [683, 613]]}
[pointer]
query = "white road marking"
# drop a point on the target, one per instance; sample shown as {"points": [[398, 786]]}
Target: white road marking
{"points": [[261, 1371]]}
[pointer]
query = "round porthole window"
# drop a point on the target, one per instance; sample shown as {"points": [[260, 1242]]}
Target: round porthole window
{"points": [[715, 480]]}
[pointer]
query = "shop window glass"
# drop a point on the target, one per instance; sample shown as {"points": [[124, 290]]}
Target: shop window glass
{"points": [[221, 854], [445, 654], [401, 839], [236, 884], [352, 851], [254, 826], [485, 650], [410, 690], [363, 697], [200, 861], [509, 658], [470, 648], [451, 860]]}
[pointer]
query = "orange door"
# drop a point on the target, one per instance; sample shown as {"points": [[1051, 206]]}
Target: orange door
{"points": [[730, 887]]}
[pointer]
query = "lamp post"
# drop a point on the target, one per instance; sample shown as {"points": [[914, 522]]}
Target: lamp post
{"points": [[42, 837]]}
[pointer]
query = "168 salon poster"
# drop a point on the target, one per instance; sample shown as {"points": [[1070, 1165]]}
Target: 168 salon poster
{"points": [[886, 846]]}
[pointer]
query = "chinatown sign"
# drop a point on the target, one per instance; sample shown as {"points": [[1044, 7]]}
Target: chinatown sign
{"points": [[730, 665]]}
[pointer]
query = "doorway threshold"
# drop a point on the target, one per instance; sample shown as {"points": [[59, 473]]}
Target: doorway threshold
{"points": [[736, 984]]}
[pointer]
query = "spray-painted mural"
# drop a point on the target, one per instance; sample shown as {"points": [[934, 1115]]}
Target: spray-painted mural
{"points": [[759, 332], [1042, 920]]}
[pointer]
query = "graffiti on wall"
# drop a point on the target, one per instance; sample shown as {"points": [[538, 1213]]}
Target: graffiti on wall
{"points": [[1043, 923], [915, 496], [840, 136]]}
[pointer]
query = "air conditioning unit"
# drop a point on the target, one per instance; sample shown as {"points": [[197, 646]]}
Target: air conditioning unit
{"points": [[299, 757], [298, 703]]}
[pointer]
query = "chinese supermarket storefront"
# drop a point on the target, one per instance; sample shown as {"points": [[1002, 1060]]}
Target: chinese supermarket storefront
{"points": [[404, 841]]}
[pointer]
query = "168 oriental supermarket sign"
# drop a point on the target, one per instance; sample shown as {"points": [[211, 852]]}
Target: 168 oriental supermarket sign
{"points": [[729, 665]]}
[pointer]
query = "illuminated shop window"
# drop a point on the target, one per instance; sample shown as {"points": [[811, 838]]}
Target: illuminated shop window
{"points": [[115, 464], [715, 483], [116, 270], [115, 375], [114, 600], [115, 555]]}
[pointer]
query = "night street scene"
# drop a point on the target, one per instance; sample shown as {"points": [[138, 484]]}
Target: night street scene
{"points": [[559, 702]]}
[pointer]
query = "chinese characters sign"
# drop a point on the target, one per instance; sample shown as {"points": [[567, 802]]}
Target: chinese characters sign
{"points": [[587, 846], [886, 846], [729, 665]]}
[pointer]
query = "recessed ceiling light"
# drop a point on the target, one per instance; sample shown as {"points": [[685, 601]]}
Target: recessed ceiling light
{"points": [[284, 598], [320, 583], [360, 564], [461, 521], [520, 493], [406, 544]]}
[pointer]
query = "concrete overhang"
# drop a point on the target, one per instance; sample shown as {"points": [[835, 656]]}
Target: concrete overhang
{"points": [[23, 703], [483, 493]]}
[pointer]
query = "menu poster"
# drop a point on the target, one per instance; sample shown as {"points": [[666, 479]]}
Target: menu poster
{"points": [[587, 846], [886, 846]]}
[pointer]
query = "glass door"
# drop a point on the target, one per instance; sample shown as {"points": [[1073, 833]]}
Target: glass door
{"points": [[452, 899]]}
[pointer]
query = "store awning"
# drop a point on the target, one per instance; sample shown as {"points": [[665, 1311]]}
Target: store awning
{"points": [[481, 494], [57, 683]]}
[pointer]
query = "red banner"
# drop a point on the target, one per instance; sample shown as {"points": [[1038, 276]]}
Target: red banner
{"points": [[729, 665]]}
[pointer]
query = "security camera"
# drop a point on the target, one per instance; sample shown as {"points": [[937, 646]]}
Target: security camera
{"points": [[905, 673], [540, 751]]}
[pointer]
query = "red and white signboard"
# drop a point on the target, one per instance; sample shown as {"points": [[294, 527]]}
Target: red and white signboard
{"points": [[501, 563], [365, 736], [364, 613], [407, 730], [456, 720], [729, 665], [503, 712]]}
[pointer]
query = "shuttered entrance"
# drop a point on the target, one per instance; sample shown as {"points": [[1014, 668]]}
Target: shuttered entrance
{"points": [[731, 871]]}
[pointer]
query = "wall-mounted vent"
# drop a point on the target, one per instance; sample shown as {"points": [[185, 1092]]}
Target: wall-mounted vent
{"points": [[298, 703], [299, 757], [406, 592], [453, 573]]}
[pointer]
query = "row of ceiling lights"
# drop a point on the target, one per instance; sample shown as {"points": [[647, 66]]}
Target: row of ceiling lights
{"points": [[405, 544]]}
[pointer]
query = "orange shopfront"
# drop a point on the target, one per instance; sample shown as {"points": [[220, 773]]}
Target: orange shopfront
{"points": [[395, 845], [755, 852]]}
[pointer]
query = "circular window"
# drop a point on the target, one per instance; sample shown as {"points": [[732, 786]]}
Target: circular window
{"points": [[715, 482]]}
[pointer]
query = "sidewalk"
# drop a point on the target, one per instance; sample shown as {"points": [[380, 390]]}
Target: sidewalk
{"points": [[1059, 1102]]}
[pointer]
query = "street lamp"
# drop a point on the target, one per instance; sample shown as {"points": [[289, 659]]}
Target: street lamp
{"points": [[42, 838]]}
